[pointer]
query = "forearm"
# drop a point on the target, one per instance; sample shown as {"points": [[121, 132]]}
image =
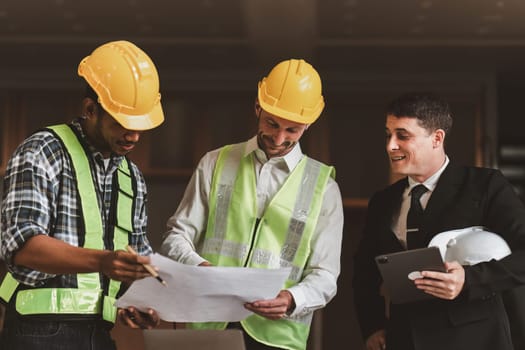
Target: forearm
{"points": [[49, 255], [504, 215], [319, 284], [186, 228], [52, 256], [179, 248]]}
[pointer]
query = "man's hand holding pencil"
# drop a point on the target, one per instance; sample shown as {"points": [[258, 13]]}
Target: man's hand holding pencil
{"points": [[126, 266], [151, 270]]}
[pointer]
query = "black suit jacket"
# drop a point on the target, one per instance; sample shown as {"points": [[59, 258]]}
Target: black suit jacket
{"points": [[476, 319]]}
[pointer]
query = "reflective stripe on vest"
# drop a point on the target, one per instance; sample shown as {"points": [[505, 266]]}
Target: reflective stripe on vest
{"points": [[282, 238], [87, 298]]}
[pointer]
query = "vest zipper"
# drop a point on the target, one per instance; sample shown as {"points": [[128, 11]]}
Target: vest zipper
{"points": [[252, 243]]}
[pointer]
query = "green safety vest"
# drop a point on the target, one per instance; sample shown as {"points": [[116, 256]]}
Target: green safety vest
{"points": [[282, 237], [87, 298]]}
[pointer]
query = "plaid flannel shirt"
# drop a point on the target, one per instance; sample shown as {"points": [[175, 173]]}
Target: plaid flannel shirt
{"points": [[40, 196]]}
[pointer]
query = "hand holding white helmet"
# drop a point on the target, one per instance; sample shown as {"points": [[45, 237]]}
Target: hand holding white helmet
{"points": [[470, 246]]}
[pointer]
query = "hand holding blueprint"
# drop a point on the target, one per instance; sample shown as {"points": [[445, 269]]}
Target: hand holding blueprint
{"points": [[202, 294]]}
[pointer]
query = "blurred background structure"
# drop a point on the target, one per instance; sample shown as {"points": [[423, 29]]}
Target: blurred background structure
{"points": [[210, 54]]}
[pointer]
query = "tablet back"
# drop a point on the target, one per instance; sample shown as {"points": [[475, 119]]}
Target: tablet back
{"points": [[189, 339], [395, 269]]}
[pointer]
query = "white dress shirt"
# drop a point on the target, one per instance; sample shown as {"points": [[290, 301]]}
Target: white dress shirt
{"points": [[186, 228]]}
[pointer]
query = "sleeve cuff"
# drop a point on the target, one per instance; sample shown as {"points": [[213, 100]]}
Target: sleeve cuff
{"points": [[299, 300]]}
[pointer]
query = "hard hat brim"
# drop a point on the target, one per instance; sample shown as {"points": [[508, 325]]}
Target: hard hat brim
{"points": [[307, 118], [141, 122]]}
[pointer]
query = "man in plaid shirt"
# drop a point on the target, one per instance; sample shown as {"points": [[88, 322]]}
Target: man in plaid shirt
{"points": [[62, 234]]}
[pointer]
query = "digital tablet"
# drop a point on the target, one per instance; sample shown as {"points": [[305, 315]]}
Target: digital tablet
{"points": [[401, 268]]}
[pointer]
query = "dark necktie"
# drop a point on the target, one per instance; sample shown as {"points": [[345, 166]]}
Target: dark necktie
{"points": [[414, 217]]}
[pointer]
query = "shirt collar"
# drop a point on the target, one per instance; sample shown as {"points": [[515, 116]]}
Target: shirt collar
{"points": [[291, 159], [431, 182]]}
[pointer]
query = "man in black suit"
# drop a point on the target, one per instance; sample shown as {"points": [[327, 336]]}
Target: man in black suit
{"points": [[467, 311]]}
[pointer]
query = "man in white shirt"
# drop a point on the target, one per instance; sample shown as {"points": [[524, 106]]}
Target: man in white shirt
{"points": [[265, 204]]}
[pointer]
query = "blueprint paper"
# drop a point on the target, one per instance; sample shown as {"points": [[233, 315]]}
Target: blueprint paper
{"points": [[202, 294]]}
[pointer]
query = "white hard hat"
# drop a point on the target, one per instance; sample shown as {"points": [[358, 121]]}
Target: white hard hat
{"points": [[470, 245]]}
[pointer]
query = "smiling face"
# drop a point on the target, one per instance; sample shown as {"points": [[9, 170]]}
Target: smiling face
{"points": [[413, 151], [277, 136]]}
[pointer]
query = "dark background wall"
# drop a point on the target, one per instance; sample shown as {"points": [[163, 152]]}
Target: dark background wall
{"points": [[211, 54]]}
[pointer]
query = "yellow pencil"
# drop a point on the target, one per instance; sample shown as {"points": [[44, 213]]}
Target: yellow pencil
{"points": [[148, 267]]}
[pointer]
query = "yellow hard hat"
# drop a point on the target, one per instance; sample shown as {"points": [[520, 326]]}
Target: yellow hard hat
{"points": [[292, 91], [126, 82]]}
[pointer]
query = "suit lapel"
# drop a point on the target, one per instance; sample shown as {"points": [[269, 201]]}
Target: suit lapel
{"points": [[396, 197], [441, 199], [392, 206]]}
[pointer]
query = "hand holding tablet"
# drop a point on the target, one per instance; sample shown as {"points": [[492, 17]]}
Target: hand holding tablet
{"points": [[400, 269]]}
